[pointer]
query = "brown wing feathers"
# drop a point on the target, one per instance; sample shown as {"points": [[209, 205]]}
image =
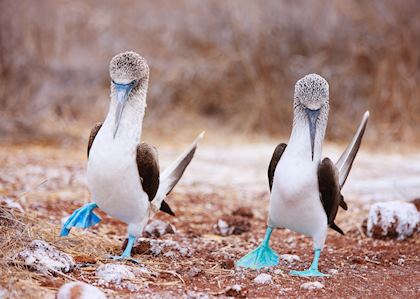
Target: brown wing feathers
{"points": [[148, 167], [278, 152], [330, 192], [92, 136]]}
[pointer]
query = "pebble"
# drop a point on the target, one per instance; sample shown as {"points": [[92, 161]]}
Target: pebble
{"points": [[79, 290]]}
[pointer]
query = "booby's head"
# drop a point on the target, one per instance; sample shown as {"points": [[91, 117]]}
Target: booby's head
{"points": [[312, 94], [129, 71]]}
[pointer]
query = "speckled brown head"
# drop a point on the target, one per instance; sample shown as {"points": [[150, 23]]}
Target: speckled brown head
{"points": [[312, 100], [312, 91], [127, 67], [129, 74]]}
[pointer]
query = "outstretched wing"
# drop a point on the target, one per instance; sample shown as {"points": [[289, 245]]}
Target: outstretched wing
{"points": [[329, 188], [148, 167], [92, 136], [173, 173], [278, 152], [345, 162]]}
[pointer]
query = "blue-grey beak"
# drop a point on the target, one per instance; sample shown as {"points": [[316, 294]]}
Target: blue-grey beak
{"points": [[312, 117], [123, 91]]}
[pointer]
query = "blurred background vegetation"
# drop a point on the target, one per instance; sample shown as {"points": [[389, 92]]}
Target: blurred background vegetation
{"points": [[226, 66]]}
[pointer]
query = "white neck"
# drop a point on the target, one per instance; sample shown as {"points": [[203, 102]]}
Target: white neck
{"points": [[300, 142], [132, 116]]}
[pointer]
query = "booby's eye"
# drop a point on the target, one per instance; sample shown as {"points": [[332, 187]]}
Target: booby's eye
{"points": [[133, 82]]}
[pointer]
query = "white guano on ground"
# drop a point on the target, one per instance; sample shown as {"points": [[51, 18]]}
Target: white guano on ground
{"points": [[402, 217], [43, 257], [313, 285], [263, 278]]}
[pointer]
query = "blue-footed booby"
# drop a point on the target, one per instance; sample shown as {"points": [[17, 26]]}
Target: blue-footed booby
{"points": [[123, 173], [305, 191]]}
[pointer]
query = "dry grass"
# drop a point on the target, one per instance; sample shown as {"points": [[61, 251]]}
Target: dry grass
{"points": [[17, 230], [215, 59]]}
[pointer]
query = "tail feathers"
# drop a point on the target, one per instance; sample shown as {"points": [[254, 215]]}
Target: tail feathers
{"points": [[164, 207], [343, 204], [173, 173], [336, 228], [346, 160]]}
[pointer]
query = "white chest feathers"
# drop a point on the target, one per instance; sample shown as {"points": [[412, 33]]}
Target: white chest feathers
{"points": [[294, 200], [113, 178]]}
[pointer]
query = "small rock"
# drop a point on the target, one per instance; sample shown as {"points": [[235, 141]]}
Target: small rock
{"points": [[244, 212], [113, 273], [357, 260], [3, 293], [278, 272], [232, 225], [194, 271], [236, 291], [416, 202], [158, 228], [263, 278], [313, 285], [141, 248], [196, 295], [227, 264], [398, 220], [133, 287], [289, 258], [44, 258], [168, 248], [333, 271], [401, 261], [83, 259], [79, 290]]}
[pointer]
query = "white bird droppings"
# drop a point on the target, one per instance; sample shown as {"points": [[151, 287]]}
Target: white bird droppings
{"points": [[313, 285], [43, 257], [393, 219], [289, 258], [263, 278], [113, 273]]}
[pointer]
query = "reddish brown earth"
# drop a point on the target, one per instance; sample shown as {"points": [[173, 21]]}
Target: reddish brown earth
{"points": [[361, 267]]}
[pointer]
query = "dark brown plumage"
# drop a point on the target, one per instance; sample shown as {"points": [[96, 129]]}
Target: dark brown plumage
{"points": [[148, 166], [92, 136], [330, 193], [278, 152]]}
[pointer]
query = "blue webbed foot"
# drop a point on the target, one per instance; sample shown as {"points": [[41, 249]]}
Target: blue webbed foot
{"points": [[308, 273], [126, 255], [82, 218], [262, 256], [313, 270]]}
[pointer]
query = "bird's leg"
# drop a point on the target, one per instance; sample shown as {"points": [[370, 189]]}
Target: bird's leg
{"points": [[262, 256], [129, 247], [126, 255], [313, 269], [82, 217]]}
